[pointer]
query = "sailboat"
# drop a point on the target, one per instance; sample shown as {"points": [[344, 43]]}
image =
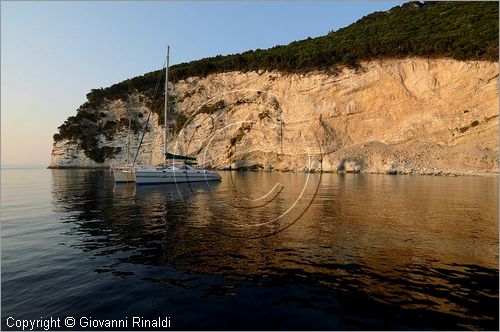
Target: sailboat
{"points": [[176, 168]]}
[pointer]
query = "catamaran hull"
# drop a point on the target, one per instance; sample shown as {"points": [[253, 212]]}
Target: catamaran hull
{"points": [[158, 177], [123, 176]]}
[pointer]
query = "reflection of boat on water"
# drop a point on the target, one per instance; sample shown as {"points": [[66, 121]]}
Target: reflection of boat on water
{"points": [[175, 169], [176, 190], [180, 189]]}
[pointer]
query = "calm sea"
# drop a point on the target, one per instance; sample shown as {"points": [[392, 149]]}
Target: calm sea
{"points": [[255, 251]]}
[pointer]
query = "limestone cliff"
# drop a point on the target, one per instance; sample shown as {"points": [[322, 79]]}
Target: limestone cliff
{"points": [[414, 115]]}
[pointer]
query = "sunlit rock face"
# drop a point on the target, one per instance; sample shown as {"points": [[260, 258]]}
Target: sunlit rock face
{"points": [[423, 116]]}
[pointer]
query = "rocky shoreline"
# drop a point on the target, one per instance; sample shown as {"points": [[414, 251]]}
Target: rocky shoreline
{"points": [[349, 170], [393, 116]]}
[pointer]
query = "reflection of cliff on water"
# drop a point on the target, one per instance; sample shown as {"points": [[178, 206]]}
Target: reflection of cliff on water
{"points": [[120, 218], [161, 220], [428, 245]]}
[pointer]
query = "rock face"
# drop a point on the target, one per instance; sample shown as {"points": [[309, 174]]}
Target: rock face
{"points": [[425, 116]]}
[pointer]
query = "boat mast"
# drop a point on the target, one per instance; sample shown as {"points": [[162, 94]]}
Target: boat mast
{"points": [[128, 139], [165, 115]]}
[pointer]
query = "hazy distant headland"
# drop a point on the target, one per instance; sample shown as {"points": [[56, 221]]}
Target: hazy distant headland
{"points": [[413, 90]]}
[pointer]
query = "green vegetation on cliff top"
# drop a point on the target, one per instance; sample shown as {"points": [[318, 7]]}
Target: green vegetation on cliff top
{"points": [[458, 30]]}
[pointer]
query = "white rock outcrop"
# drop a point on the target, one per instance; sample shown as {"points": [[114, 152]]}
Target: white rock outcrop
{"points": [[425, 116]]}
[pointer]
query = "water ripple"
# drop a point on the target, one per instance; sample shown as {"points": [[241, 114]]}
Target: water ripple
{"points": [[372, 252]]}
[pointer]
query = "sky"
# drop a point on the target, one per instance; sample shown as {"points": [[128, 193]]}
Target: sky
{"points": [[53, 53]]}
